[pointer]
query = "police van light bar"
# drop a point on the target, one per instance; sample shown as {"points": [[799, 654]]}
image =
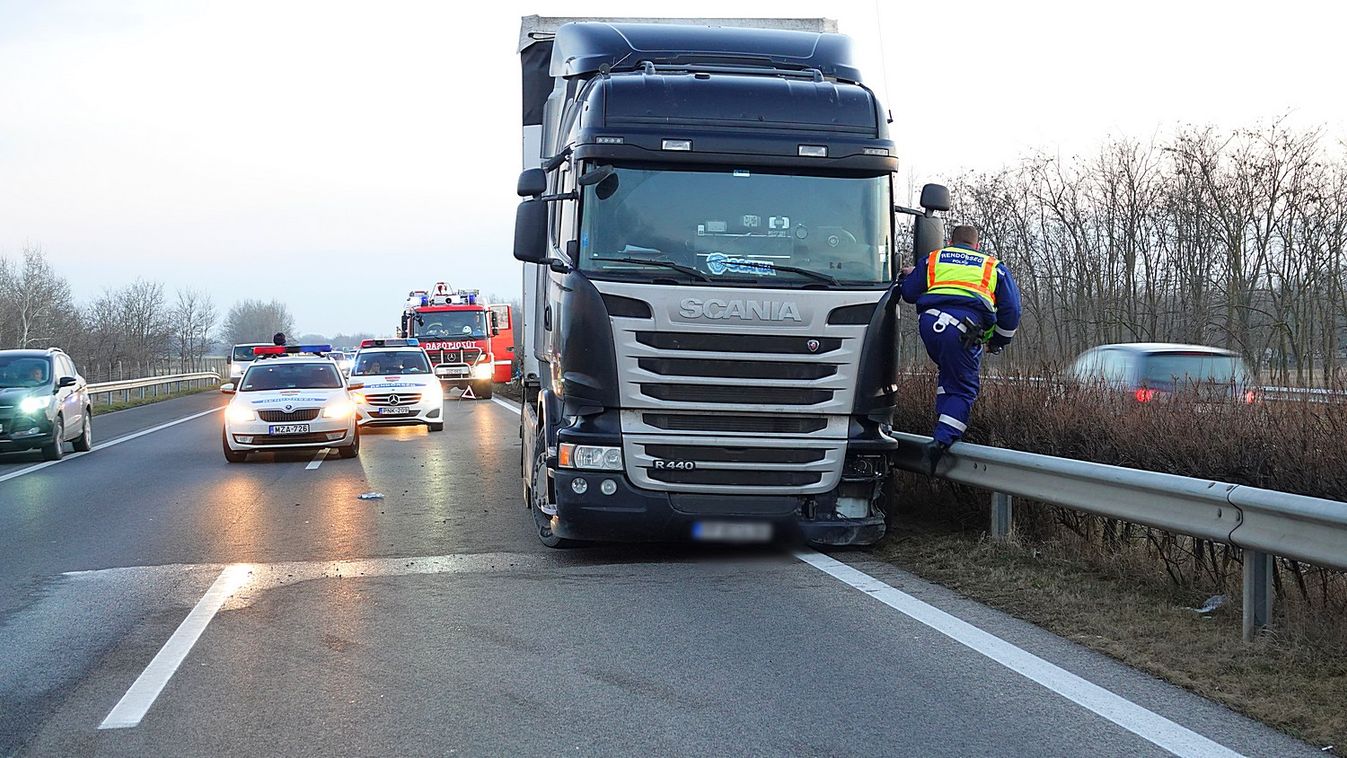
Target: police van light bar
{"points": [[291, 349], [408, 342]]}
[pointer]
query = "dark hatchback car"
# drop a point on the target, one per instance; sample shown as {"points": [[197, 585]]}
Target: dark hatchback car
{"points": [[1156, 370], [43, 403]]}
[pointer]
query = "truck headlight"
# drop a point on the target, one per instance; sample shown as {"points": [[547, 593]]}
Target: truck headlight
{"points": [[33, 404], [591, 457], [240, 414], [339, 410], [482, 371]]}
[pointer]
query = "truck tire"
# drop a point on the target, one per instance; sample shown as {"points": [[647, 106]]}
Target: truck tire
{"points": [[483, 390], [540, 493], [55, 451]]}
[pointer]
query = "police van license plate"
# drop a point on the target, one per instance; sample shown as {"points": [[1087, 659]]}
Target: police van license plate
{"points": [[395, 411], [288, 429], [731, 531]]}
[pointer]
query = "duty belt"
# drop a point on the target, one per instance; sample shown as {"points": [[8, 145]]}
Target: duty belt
{"points": [[972, 336]]}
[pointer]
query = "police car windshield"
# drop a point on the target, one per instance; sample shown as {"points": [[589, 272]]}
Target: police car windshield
{"points": [[266, 375], [391, 363], [24, 371], [447, 325], [738, 228]]}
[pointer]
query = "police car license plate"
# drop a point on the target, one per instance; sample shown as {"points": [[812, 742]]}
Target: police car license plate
{"points": [[732, 531], [395, 411], [288, 429]]}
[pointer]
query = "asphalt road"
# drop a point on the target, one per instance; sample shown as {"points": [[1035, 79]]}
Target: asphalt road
{"points": [[432, 622]]}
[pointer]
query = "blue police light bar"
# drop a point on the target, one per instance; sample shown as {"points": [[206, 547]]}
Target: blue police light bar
{"points": [[408, 342]]}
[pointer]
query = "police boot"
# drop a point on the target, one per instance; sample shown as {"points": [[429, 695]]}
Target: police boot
{"points": [[932, 454]]}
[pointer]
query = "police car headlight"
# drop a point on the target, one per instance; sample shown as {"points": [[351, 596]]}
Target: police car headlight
{"points": [[434, 393], [591, 457], [481, 371], [34, 403], [339, 410], [240, 414]]}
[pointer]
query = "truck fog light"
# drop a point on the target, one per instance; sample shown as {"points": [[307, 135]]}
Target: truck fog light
{"points": [[608, 486], [579, 486]]}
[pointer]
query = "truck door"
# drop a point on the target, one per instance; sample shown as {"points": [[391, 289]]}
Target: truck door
{"points": [[502, 343]]}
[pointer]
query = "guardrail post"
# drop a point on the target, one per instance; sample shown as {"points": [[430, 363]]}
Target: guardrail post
{"points": [[1002, 511], [1258, 592]]}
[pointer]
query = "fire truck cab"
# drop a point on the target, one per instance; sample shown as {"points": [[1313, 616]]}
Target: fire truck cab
{"points": [[470, 343]]}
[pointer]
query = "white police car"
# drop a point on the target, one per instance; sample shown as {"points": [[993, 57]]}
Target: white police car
{"points": [[289, 398], [392, 383]]}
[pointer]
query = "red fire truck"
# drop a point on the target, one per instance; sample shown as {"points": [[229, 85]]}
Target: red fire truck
{"points": [[470, 343]]}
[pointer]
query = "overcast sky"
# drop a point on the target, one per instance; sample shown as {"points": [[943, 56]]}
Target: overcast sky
{"points": [[335, 155]]}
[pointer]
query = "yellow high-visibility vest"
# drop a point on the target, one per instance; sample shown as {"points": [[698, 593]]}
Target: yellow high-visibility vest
{"points": [[961, 271]]}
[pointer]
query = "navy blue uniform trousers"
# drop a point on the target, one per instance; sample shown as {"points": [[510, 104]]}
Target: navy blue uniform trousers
{"points": [[957, 387]]}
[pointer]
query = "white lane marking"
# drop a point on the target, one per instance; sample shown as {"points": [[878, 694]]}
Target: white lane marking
{"points": [[145, 690], [506, 405], [109, 443], [1144, 723], [317, 459]]}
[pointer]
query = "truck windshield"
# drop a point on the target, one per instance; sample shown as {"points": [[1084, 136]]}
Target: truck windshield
{"points": [[451, 325], [737, 228]]}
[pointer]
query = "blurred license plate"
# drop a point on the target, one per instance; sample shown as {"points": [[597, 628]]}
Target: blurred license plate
{"points": [[395, 411], [732, 531], [288, 429]]}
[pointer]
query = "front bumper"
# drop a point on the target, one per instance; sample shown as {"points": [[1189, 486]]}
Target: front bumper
{"points": [[421, 413], [254, 435], [631, 514], [25, 432]]}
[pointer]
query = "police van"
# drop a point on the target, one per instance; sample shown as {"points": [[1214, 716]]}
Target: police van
{"points": [[392, 383], [289, 398]]}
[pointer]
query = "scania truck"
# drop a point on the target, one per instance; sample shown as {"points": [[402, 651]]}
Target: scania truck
{"points": [[710, 322]]}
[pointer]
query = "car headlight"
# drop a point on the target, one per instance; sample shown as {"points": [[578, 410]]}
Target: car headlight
{"points": [[240, 414], [589, 457], [340, 409], [482, 371], [34, 403], [359, 397]]}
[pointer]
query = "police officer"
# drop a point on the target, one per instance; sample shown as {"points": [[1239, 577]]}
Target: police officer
{"points": [[278, 339], [965, 298]]}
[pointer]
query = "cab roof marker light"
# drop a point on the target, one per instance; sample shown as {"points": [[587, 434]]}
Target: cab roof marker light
{"points": [[884, 151], [608, 140], [677, 144], [813, 151]]}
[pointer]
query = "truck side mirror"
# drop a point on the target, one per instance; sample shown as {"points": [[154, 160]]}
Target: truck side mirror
{"points": [[928, 234], [935, 197], [530, 231], [532, 182]]}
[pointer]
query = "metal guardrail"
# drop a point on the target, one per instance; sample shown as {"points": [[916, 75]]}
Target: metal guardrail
{"points": [[172, 382], [1264, 523]]}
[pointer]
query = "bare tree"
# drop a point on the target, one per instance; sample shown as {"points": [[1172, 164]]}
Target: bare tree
{"points": [[257, 321], [193, 319], [34, 301]]}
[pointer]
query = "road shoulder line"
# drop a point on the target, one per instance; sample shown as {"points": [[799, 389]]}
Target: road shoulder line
{"points": [[511, 407], [1140, 721]]}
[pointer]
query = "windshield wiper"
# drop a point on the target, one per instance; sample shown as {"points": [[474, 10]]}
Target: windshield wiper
{"points": [[690, 271]]}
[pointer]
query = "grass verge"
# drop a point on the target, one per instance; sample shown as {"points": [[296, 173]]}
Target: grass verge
{"points": [[136, 402], [1293, 678]]}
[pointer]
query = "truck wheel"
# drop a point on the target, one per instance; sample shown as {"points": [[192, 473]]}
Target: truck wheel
{"points": [[483, 390], [85, 442], [56, 450], [353, 449], [233, 456], [540, 495]]}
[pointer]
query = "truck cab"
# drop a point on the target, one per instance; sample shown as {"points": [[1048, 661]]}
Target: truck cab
{"points": [[470, 343], [710, 326]]}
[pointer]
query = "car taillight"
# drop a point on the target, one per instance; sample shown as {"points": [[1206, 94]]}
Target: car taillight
{"points": [[1145, 395]]}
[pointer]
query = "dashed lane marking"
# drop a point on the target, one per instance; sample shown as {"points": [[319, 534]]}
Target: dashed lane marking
{"points": [[318, 459], [1144, 723], [109, 443]]}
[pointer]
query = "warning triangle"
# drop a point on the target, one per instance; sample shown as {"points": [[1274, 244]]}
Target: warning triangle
{"points": [[467, 394]]}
